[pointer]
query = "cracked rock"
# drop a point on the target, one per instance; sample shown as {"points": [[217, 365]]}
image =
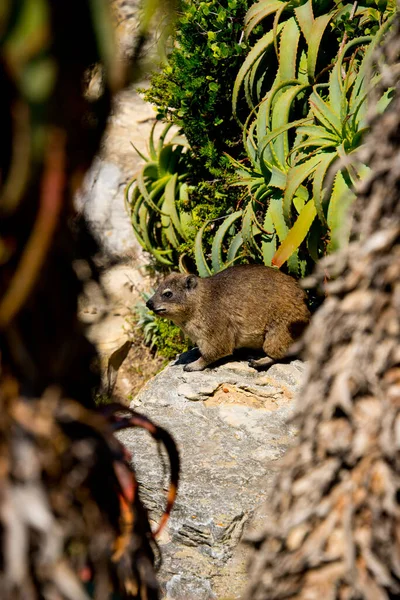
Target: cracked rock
{"points": [[229, 440], [184, 588]]}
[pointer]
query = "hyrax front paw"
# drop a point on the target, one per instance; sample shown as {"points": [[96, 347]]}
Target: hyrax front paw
{"points": [[261, 363], [197, 365]]}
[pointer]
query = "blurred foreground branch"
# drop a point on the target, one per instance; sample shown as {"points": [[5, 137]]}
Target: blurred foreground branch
{"points": [[71, 522]]}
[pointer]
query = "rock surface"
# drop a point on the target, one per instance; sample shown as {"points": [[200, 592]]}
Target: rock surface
{"points": [[102, 202], [105, 309], [230, 423], [108, 310], [101, 198]]}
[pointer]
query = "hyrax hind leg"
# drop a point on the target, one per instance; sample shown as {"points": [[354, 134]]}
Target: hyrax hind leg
{"points": [[276, 343]]}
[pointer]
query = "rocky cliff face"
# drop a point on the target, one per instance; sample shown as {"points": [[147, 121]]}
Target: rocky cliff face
{"points": [[101, 200], [102, 197], [231, 426]]}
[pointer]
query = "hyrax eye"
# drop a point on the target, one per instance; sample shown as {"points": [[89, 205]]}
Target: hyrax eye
{"points": [[167, 294]]}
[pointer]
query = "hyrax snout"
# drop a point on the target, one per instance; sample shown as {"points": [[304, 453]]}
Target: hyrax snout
{"points": [[248, 306]]}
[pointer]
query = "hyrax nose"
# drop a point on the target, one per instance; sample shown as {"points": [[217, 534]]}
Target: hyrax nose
{"points": [[150, 304]]}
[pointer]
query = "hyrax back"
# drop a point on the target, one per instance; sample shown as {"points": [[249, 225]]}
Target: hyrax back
{"points": [[247, 306]]}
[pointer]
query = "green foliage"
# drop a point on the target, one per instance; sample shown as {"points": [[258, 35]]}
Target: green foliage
{"points": [[218, 262], [193, 91], [194, 88], [102, 399], [209, 205], [159, 202], [365, 21], [159, 334], [306, 86], [169, 340], [304, 81]]}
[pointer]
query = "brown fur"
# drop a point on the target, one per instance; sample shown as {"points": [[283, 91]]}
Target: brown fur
{"points": [[242, 307]]}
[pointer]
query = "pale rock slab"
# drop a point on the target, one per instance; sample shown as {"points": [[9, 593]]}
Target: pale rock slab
{"points": [[231, 427]]}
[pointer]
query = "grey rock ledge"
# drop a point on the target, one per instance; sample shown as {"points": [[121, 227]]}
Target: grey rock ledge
{"points": [[231, 426]]}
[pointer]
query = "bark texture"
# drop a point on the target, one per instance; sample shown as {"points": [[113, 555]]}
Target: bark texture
{"points": [[336, 527]]}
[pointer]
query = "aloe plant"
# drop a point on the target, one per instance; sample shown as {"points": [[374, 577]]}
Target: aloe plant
{"points": [[304, 83], [309, 121], [157, 196], [220, 259]]}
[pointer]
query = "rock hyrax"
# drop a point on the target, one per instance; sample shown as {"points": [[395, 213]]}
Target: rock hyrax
{"points": [[247, 306]]}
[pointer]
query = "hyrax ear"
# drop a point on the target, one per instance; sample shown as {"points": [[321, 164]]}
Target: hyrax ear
{"points": [[191, 282]]}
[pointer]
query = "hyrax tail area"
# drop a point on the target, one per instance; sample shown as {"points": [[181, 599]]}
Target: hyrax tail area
{"points": [[248, 306], [278, 339]]}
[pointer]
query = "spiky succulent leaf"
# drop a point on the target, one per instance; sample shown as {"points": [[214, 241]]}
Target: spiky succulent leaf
{"points": [[218, 241], [151, 198], [259, 11], [234, 247], [340, 202], [201, 263], [268, 244], [259, 48], [296, 235], [296, 176]]}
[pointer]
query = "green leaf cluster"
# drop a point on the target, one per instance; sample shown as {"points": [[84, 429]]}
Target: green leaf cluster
{"points": [[157, 198], [159, 334], [302, 72], [306, 90], [194, 87], [193, 91]]}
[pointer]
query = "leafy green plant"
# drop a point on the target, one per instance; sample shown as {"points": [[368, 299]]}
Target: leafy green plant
{"points": [[193, 89], [218, 260], [159, 334], [308, 114], [152, 196], [305, 81]]}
